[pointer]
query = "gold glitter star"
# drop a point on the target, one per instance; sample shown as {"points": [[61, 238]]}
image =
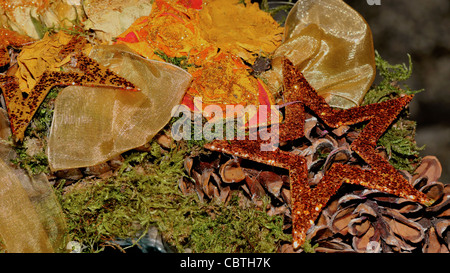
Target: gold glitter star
{"points": [[308, 202], [22, 107]]}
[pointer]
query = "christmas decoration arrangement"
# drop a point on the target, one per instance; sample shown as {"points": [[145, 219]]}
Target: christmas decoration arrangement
{"points": [[285, 142]]}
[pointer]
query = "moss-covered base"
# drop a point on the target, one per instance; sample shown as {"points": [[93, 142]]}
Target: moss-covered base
{"points": [[145, 193]]}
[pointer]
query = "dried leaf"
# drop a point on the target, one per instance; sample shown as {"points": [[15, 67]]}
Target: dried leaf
{"points": [[40, 57], [219, 78]]}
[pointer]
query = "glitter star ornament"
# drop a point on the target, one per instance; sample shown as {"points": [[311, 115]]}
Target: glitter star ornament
{"points": [[84, 71], [307, 202]]}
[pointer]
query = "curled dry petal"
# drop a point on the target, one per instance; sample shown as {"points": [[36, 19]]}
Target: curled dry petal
{"points": [[341, 219], [271, 181], [231, 172], [184, 187], [419, 182], [276, 210], [286, 195], [341, 130], [442, 206], [366, 209], [255, 188], [351, 136], [403, 227], [204, 182], [338, 155], [361, 242], [198, 186], [432, 244], [188, 162], [430, 167], [322, 146], [310, 124], [404, 206], [442, 227], [316, 179], [224, 194], [319, 232], [359, 226], [349, 198], [409, 208], [332, 206], [373, 247], [217, 180], [434, 190], [333, 246]]}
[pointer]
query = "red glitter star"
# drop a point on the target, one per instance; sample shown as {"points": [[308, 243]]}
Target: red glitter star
{"points": [[22, 107], [307, 202]]}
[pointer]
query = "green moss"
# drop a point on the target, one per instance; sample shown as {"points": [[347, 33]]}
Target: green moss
{"points": [[42, 119], [399, 139], [178, 61], [234, 228], [308, 248], [35, 164], [391, 83], [146, 193], [400, 145]]}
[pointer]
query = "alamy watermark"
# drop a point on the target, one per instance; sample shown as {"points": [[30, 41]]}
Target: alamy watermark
{"points": [[252, 123], [373, 2]]}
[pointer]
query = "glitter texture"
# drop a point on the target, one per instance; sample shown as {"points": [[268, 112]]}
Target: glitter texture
{"points": [[308, 202]]}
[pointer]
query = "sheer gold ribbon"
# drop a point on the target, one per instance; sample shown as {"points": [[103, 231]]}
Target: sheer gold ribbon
{"points": [[332, 45], [31, 219], [91, 125]]}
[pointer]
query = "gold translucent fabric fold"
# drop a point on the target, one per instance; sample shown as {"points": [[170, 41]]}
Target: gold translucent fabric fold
{"points": [[31, 220], [331, 44], [92, 125]]}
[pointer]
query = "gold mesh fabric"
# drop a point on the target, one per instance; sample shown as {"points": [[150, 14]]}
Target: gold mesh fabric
{"points": [[20, 228], [332, 45], [31, 219], [91, 125]]}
